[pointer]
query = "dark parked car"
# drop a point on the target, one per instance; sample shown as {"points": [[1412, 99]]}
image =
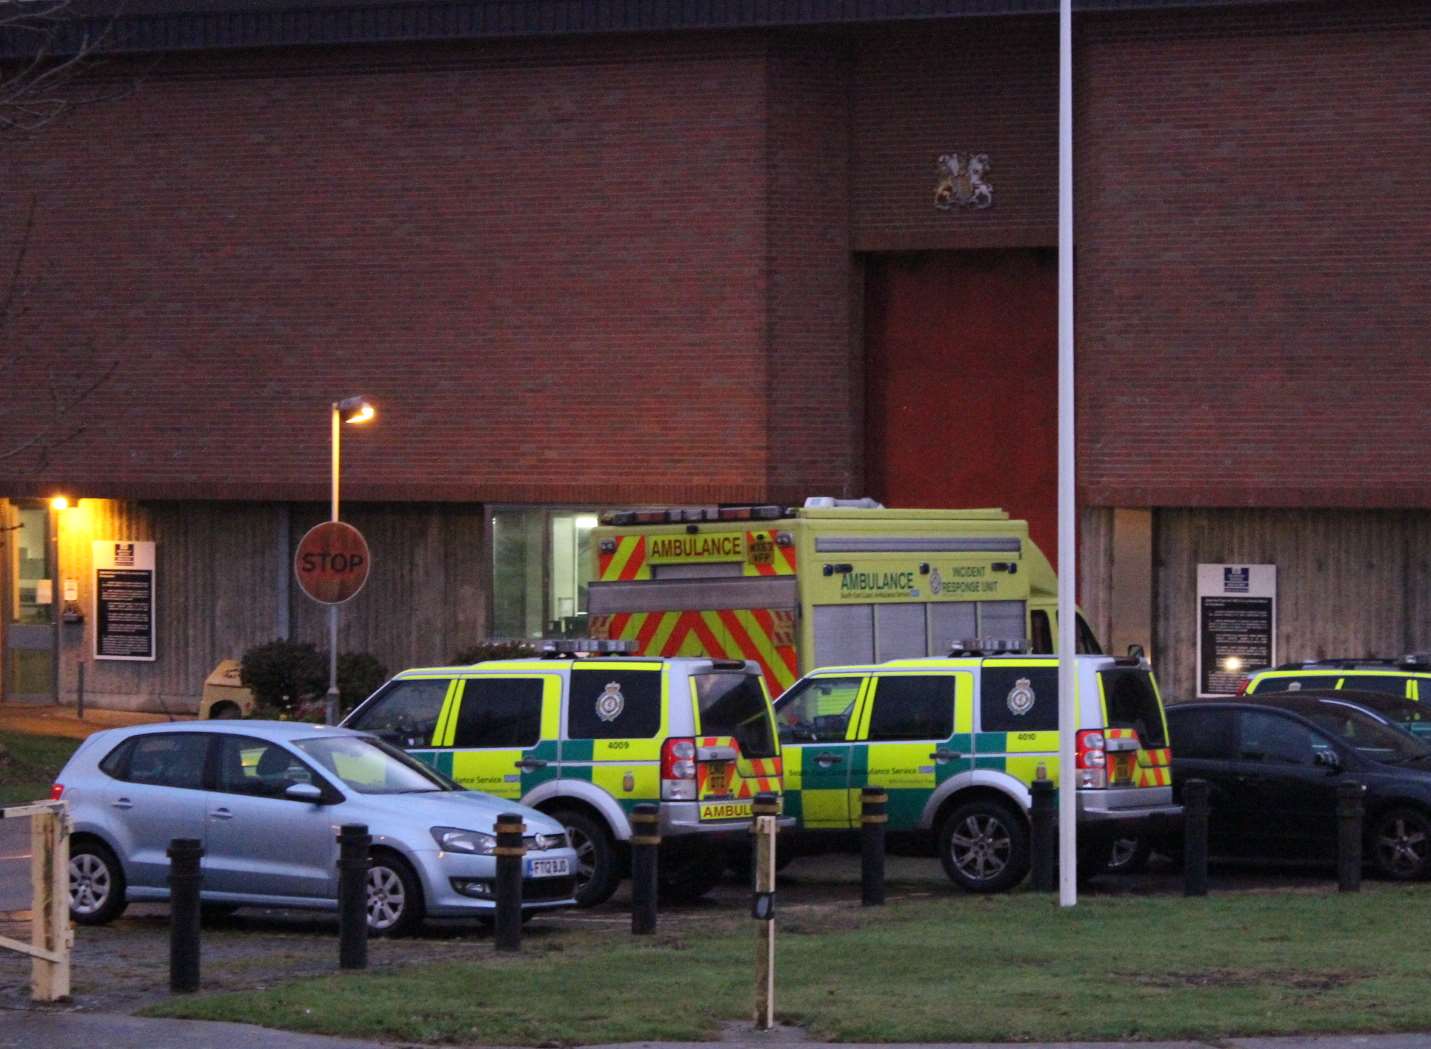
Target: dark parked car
{"points": [[1273, 767]]}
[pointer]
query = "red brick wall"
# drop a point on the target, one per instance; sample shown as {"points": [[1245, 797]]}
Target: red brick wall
{"points": [[1254, 205], [816, 380], [545, 262]]}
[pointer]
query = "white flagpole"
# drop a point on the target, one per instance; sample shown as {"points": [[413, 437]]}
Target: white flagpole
{"points": [[1067, 552]]}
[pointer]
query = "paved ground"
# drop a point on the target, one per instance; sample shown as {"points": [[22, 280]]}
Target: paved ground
{"points": [[51, 1030], [49, 720]]}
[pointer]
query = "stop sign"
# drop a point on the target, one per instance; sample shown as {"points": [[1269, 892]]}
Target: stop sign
{"points": [[332, 562]]}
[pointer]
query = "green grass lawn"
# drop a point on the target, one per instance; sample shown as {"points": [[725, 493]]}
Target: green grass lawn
{"points": [[957, 968], [30, 765]]}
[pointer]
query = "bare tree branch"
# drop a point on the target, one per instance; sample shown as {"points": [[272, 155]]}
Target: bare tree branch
{"points": [[46, 58]]}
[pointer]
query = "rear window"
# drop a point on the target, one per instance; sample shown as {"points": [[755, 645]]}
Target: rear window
{"points": [[1292, 684], [1395, 686], [1131, 702], [1201, 733], [735, 705], [613, 703]]}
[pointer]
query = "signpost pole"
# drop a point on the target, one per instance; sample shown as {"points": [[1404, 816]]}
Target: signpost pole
{"points": [[331, 714]]}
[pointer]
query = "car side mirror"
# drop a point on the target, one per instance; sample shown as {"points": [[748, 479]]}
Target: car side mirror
{"points": [[1328, 759], [304, 792]]}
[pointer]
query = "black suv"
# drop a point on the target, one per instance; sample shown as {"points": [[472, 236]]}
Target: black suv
{"points": [[1273, 767]]}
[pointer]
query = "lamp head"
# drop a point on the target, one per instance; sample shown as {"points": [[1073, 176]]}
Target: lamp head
{"points": [[60, 502], [356, 410]]}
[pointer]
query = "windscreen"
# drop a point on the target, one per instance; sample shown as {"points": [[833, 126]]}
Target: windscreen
{"points": [[1132, 702], [1371, 737], [735, 705], [370, 767]]}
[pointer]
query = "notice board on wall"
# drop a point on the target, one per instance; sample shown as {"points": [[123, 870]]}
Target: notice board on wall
{"points": [[124, 600], [1236, 624]]}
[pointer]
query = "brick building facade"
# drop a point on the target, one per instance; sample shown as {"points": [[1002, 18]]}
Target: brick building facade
{"points": [[578, 267]]}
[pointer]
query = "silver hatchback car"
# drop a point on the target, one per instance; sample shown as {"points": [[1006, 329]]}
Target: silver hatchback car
{"points": [[266, 799]]}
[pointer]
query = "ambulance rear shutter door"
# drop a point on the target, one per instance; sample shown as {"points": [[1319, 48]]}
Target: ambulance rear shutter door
{"points": [[691, 595], [951, 621], [899, 631], [844, 634], [1002, 619]]}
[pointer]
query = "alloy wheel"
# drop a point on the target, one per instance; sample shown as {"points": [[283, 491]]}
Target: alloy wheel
{"points": [[1401, 847], [90, 883], [981, 846], [585, 850], [387, 899]]}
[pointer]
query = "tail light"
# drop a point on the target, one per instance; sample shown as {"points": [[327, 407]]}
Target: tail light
{"points": [[1242, 685], [678, 769], [57, 791], [1091, 759]]}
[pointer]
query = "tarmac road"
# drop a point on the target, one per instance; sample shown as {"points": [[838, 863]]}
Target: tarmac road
{"points": [[14, 865]]}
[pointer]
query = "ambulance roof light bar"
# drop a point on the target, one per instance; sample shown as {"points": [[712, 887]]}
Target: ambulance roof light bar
{"points": [[562, 648], [989, 646], [685, 514]]}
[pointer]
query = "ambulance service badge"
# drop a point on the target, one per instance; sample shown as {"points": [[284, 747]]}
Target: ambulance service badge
{"points": [[936, 582], [1021, 697], [611, 702]]}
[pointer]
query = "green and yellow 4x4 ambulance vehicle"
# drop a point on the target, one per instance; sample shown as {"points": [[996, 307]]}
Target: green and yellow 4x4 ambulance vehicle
{"points": [[585, 739], [1409, 676], [957, 742]]}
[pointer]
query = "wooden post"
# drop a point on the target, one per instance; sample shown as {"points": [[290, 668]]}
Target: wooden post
{"points": [[763, 909], [50, 905]]}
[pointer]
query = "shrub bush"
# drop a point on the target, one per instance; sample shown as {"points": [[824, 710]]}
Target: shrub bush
{"points": [[359, 676], [283, 675]]}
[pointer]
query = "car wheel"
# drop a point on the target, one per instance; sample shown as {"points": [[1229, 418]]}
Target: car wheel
{"points": [[1128, 856], [686, 874], [984, 846], [596, 874], [1399, 842], [96, 884], [394, 896]]}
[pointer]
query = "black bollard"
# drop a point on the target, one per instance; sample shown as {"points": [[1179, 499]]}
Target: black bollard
{"points": [[1195, 810], [1042, 810], [1349, 820], [510, 850], [184, 879], [874, 815], [353, 862], [645, 843]]}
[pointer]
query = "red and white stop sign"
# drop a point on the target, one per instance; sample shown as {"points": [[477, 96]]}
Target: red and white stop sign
{"points": [[332, 562]]}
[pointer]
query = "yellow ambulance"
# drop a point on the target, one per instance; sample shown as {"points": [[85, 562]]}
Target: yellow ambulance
{"points": [[832, 582], [957, 743]]}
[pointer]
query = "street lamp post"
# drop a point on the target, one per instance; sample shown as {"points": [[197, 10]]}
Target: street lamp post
{"points": [[58, 505], [349, 410]]}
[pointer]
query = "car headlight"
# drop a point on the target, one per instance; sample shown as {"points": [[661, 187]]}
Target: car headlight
{"points": [[455, 839]]}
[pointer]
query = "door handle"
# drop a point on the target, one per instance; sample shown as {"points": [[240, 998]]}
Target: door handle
{"points": [[222, 814], [946, 755], [827, 760], [123, 803], [530, 763]]}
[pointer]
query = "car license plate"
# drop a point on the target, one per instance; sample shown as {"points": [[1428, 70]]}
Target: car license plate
{"points": [[548, 868]]}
